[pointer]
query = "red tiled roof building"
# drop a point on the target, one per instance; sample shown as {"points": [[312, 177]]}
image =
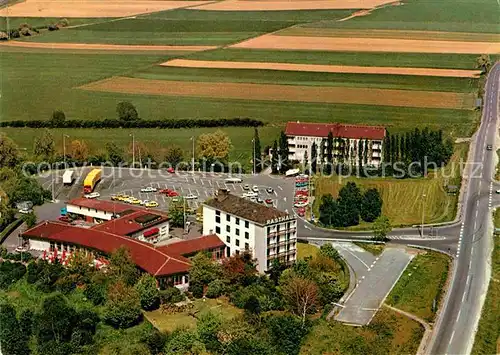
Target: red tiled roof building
{"points": [[348, 139]]}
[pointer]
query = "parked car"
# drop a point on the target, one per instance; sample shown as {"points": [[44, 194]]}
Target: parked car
{"points": [[260, 200], [301, 193], [191, 197], [135, 201], [270, 190], [250, 194], [301, 209], [300, 204], [246, 187], [149, 189], [21, 249], [92, 195], [172, 193], [63, 218], [176, 199], [301, 213], [489, 147], [143, 202], [255, 188], [269, 201], [171, 170], [152, 204], [25, 210], [164, 191]]}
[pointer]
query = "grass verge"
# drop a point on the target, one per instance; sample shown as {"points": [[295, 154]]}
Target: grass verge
{"points": [[420, 288], [402, 199], [374, 249], [305, 250], [388, 333], [487, 339], [169, 322]]}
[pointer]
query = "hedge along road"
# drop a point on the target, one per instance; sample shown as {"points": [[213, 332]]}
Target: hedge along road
{"points": [[383, 97]]}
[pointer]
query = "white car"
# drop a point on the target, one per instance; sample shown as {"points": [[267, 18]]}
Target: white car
{"points": [[25, 210], [93, 195], [191, 197], [250, 194], [255, 188], [144, 202], [21, 249], [148, 189], [300, 204]]}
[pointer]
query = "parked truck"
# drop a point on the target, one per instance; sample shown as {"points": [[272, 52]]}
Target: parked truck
{"points": [[91, 180], [68, 177]]}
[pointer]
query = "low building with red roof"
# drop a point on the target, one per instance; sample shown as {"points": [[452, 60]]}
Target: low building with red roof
{"points": [[169, 264], [348, 139]]}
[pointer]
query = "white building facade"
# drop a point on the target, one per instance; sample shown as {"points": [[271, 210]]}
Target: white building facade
{"points": [[347, 141], [268, 239]]}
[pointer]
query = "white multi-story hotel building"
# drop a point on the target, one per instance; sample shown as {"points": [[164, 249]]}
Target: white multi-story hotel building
{"points": [[242, 224], [301, 137]]}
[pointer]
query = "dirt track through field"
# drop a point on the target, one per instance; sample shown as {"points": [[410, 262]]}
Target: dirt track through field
{"points": [[106, 47], [239, 91], [91, 8], [367, 45], [274, 5], [186, 63]]}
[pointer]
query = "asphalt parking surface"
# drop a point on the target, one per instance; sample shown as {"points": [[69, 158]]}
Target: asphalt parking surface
{"points": [[373, 287]]}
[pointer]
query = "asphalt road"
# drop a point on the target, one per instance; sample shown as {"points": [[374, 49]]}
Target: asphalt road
{"points": [[456, 327]]}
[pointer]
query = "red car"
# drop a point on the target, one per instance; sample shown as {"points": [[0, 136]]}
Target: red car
{"points": [[172, 193], [301, 213], [301, 210], [269, 201], [63, 218], [171, 170], [301, 193]]}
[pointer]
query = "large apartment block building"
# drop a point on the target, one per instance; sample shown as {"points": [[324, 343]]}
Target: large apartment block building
{"points": [[348, 139], [242, 224]]}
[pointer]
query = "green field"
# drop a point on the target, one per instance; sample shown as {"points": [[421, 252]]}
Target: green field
{"points": [[429, 15], [404, 82], [418, 60], [487, 339], [421, 285], [156, 140]]}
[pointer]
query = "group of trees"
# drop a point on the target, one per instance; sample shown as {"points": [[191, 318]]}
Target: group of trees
{"points": [[350, 206], [57, 327], [425, 147], [280, 161], [304, 289]]}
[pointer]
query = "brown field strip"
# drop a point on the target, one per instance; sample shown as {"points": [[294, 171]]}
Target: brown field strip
{"points": [[186, 63], [104, 47], [367, 45], [89, 8], [273, 5], [240, 91], [394, 34]]}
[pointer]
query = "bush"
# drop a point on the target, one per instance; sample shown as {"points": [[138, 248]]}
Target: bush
{"points": [[15, 34], [10, 273], [196, 289], [215, 289], [25, 31], [171, 295], [62, 23], [3, 36], [53, 28]]}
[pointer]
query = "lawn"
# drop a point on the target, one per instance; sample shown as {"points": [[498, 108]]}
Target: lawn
{"points": [[487, 339], [402, 198], [405, 82], [156, 140], [169, 322], [417, 60], [305, 250], [374, 249], [421, 285], [388, 333], [429, 15]]}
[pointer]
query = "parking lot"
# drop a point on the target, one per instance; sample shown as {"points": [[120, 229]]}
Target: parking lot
{"points": [[203, 186]]}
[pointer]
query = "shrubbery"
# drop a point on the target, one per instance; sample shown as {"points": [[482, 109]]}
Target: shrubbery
{"points": [[116, 123]]}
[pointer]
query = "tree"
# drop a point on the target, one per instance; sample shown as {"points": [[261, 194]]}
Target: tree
{"points": [[328, 210], [306, 161], [9, 152], [12, 340], [115, 154], [174, 155], [58, 118], [126, 111], [213, 146], [123, 306], [276, 270], [79, 150], [329, 148], [207, 327], [371, 205], [55, 321], [329, 251], [203, 271], [275, 158], [148, 292], [349, 202], [184, 342], [121, 266], [483, 62], [381, 228], [286, 332], [284, 153], [176, 213], [301, 295], [30, 219], [26, 319], [240, 269], [252, 306], [257, 151], [314, 158], [44, 147]]}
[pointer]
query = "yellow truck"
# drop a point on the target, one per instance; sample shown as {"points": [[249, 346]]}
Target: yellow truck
{"points": [[91, 180]]}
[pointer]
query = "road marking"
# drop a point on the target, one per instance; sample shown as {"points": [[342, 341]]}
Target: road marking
{"points": [[279, 187]]}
